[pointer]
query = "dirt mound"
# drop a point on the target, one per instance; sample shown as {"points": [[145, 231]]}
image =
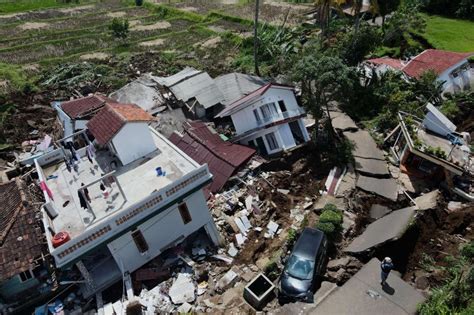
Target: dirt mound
{"points": [[32, 26], [95, 56], [151, 27], [151, 43]]}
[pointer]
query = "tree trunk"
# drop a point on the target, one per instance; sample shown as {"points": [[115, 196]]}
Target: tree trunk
{"points": [[255, 38]]}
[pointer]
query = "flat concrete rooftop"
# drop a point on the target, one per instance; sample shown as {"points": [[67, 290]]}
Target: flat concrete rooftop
{"points": [[137, 180]]}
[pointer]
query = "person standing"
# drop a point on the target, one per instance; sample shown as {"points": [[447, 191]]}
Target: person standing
{"points": [[386, 267]]}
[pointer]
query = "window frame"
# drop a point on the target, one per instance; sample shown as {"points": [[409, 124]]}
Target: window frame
{"points": [[184, 213], [272, 141], [140, 241], [28, 275], [257, 116], [282, 105]]}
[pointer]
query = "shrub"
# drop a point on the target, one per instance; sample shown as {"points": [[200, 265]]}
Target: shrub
{"points": [[326, 227], [330, 206], [468, 250], [330, 216], [119, 28], [291, 236]]}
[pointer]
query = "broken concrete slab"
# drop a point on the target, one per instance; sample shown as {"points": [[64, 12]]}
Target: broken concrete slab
{"points": [[342, 121], [182, 289], [371, 166], [365, 146], [363, 294], [227, 280], [385, 187], [412, 184], [378, 211], [338, 263], [348, 182], [185, 308], [390, 227], [428, 201], [143, 92], [232, 250]]}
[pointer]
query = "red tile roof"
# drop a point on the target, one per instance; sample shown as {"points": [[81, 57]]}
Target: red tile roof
{"points": [[391, 62], [433, 59], [204, 146], [248, 98], [430, 59], [22, 240], [85, 106], [110, 119]]}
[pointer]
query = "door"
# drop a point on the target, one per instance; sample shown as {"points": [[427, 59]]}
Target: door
{"points": [[296, 132], [262, 149]]}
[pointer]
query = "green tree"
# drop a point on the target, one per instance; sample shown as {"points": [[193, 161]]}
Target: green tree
{"points": [[119, 28], [324, 8]]}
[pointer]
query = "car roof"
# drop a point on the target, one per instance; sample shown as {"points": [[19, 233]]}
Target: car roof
{"points": [[308, 243]]}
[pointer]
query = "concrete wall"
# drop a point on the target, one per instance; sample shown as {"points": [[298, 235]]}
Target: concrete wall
{"points": [[465, 78], [160, 232], [244, 119], [13, 286], [133, 141]]}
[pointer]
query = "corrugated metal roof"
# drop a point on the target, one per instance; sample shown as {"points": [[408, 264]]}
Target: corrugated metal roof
{"points": [[236, 85], [191, 83], [175, 78], [204, 146]]}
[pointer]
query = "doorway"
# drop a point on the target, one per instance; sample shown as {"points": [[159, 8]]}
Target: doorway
{"points": [[262, 149], [296, 132]]}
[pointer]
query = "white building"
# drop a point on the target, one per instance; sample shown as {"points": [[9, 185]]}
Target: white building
{"points": [[134, 197], [453, 69], [268, 119]]}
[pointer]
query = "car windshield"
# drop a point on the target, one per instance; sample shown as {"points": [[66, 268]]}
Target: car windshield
{"points": [[300, 268]]}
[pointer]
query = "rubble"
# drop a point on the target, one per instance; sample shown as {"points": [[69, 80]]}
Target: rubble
{"points": [[182, 289], [385, 187], [377, 211], [338, 263], [387, 228], [427, 201], [227, 280]]}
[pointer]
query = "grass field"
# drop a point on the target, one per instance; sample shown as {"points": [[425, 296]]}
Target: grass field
{"points": [[13, 6], [449, 34]]}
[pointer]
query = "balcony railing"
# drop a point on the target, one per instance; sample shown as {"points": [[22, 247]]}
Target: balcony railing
{"points": [[280, 116]]}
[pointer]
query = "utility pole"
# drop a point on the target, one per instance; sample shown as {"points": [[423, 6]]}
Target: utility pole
{"points": [[255, 37]]}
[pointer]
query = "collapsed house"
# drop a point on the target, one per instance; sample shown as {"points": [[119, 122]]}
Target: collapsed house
{"points": [[268, 119], [24, 273], [206, 147], [455, 70], [432, 149], [119, 200]]}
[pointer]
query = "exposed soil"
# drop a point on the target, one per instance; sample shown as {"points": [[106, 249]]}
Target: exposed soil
{"points": [[33, 26], [95, 56], [151, 27], [440, 234], [150, 43]]}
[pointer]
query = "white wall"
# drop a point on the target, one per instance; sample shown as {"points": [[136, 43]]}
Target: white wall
{"points": [[244, 119], [159, 232], [133, 141], [286, 136], [457, 84]]}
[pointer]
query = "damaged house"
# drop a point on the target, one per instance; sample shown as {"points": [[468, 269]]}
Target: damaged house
{"points": [[268, 119], [120, 200], [24, 271], [206, 147], [196, 89], [431, 148], [455, 70]]}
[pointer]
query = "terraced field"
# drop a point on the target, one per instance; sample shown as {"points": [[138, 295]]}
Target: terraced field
{"points": [[81, 32]]}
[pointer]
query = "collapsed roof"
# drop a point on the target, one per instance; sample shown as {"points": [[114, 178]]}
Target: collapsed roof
{"points": [[190, 83], [205, 146], [84, 106], [21, 239]]}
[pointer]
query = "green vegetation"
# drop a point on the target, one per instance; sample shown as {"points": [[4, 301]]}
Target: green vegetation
{"points": [[455, 295], [330, 220], [13, 6], [449, 34], [119, 28], [14, 79]]}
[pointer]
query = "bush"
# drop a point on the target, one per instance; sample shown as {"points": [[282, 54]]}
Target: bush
{"points": [[330, 207], [119, 28], [468, 250], [330, 216], [291, 236], [326, 227]]}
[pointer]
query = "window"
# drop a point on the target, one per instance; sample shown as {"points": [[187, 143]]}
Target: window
{"points": [[268, 111], [184, 212], [140, 241], [282, 106], [272, 142], [26, 275], [257, 116]]}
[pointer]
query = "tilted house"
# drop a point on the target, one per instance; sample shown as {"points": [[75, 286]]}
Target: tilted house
{"points": [[452, 68], [121, 200], [268, 119]]}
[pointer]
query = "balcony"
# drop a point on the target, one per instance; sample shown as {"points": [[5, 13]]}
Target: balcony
{"points": [[280, 116]]}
